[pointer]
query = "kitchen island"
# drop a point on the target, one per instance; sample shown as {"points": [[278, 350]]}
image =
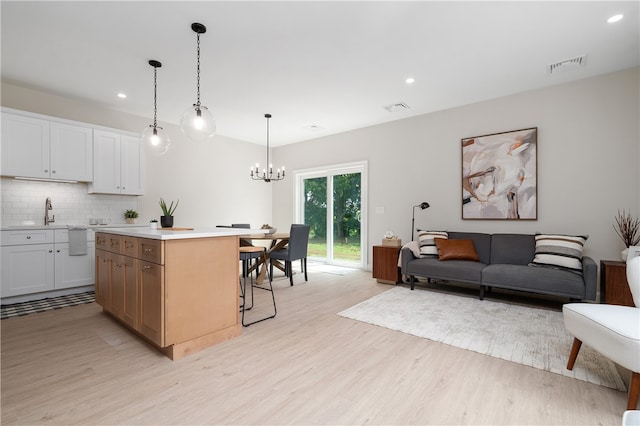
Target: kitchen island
{"points": [[177, 289]]}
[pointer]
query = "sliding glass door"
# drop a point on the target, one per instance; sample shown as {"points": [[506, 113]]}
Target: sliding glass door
{"points": [[330, 200]]}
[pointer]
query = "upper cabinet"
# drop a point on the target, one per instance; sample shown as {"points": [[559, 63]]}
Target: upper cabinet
{"points": [[45, 149], [118, 164]]}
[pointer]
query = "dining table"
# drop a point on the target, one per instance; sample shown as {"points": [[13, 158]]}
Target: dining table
{"points": [[279, 240]]}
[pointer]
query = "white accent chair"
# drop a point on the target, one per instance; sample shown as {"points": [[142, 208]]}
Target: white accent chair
{"points": [[612, 330]]}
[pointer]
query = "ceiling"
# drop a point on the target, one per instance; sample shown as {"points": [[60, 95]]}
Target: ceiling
{"points": [[319, 68]]}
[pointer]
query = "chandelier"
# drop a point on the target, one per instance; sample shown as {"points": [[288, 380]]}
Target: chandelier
{"points": [[267, 173]]}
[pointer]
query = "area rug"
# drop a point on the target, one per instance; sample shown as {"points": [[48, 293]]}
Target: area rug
{"points": [[525, 335], [26, 308]]}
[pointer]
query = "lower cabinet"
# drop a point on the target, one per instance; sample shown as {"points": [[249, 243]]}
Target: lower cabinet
{"points": [[27, 269], [131, 289], [180, 294], [73, 271]]}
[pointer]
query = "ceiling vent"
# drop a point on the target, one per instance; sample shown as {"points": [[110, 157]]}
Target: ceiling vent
{"points": [[399, 106], [568, 65]]}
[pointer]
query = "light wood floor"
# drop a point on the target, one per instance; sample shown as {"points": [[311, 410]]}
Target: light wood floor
{"points": [[306, 366]]}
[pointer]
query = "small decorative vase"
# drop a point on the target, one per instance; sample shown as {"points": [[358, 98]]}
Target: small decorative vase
{"points": [[166, 221], [131, 220], [153, 225], [624, 253]]}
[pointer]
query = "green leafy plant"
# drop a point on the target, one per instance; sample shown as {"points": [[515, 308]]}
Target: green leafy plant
{"points": [[131, 214], [627, 228], [168, 211]]}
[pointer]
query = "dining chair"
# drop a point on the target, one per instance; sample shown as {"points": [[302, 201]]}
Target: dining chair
{"points": [[295, 249]]}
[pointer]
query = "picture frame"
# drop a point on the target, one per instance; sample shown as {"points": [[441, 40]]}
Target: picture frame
{"points": [[499, 176]]}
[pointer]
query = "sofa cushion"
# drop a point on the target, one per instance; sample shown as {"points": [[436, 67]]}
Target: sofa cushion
{"points": [[559, 252], [514, 249], [539, 280], [453, 270], [456, 250], [482, 243], [427, 241]]}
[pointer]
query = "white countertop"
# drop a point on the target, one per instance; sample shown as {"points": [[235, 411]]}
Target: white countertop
{"points": [[166, 234], [94, 227]]}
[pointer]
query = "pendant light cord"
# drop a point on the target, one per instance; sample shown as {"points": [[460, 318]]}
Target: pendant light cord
{"points": [[198, 72], [155, 97], [267, 165]]}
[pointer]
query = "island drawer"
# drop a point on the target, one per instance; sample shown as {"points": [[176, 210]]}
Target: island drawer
{"points": [[129, 246], [151, 250]]}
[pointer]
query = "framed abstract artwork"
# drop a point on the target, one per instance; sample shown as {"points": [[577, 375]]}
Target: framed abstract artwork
{"points": [[499, 176]]}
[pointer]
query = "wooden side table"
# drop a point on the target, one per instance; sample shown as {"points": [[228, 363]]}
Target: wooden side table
{"points": [[614, 289], [385, 264]]}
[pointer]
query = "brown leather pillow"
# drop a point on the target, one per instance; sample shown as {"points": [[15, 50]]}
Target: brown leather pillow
{"points": [[456, 250]]}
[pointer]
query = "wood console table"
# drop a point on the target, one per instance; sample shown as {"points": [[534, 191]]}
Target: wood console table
{"points": [[614, 289], [385, 264]]}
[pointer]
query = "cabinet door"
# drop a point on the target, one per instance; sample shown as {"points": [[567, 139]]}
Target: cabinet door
{"points": [[27, 269], [118, 276], [152, 302], [106, 163], [25, 146], [71, 152], [131, 166], [74, 271], [103, 279], [130, 306]]}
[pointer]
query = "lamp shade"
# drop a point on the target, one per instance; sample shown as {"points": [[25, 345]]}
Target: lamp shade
{"points": [[156, 140], [198, 123]]}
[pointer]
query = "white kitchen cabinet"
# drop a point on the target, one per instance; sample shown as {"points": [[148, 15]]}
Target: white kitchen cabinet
{"points": [[38, 148], [27, 262], [73, 271], [37, 260], [117, 164]]}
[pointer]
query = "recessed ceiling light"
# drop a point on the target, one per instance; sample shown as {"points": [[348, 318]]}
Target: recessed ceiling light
{"points": [[410, 80], [615, 18], [122, 95]]}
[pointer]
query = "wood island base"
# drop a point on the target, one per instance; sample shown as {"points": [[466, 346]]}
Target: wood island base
{"points": [[177, 292]]}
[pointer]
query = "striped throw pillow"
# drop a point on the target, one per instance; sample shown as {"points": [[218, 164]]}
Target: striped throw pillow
{"points": [[559, 252], [427, 242]]}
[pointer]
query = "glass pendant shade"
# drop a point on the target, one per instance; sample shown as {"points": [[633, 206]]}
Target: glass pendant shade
{"points": [[156, 140], [198, 123]]}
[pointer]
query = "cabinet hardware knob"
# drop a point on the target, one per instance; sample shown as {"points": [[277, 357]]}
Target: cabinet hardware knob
{"points": [[57, 251], [28, 237], [46, 170], [148, 250], [50, 251], [146, 268], [53, 171]]}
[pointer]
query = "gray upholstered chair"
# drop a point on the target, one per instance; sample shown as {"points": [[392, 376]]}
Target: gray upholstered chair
{"points": [[612, 330], [295, 249]]}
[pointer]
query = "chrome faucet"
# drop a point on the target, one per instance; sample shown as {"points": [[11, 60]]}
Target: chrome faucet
{"points": [[47, 207]]}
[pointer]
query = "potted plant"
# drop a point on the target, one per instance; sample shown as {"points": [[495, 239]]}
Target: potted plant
{"points": [[628, 229], [130, 216], [166, 220]]}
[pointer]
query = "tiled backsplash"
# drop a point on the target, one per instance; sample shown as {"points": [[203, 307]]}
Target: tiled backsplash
{"points": [[24, 200]]}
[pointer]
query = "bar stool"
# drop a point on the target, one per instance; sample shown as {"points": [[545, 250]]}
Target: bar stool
{"points": [[247, 254]]}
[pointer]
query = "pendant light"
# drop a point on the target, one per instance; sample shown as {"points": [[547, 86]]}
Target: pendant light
{"points": [[197, 121], [154, 137], [267, 173]]}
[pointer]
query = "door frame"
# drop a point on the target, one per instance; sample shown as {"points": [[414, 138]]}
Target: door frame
{"points": [[361, 167]]}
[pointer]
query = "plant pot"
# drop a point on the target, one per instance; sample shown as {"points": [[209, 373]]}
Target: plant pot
{"points": [[166, 221], [131, 220], [153, 225]]}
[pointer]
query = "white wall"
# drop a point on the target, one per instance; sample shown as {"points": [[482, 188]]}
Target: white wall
{"points": [[588, 157], [211, 180], [588, 161]]}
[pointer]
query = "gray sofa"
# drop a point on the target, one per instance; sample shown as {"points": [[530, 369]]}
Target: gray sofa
{"points": [[504, 263]]}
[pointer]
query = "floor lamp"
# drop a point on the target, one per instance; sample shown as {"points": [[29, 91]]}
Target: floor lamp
{"points": [[423, 205]]}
